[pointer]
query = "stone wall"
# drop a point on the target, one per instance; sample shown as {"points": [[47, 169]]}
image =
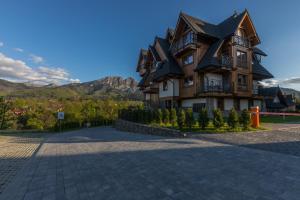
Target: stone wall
{"points": [[128, 126]]}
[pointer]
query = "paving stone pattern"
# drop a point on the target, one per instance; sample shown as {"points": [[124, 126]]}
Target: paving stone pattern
{"points": [[14, 152], [102, 163]]}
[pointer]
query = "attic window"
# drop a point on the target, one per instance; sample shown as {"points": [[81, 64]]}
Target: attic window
{"points": [[188, 59], [188, 81]]}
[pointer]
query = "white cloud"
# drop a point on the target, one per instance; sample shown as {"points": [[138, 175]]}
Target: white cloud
{"points": [[19, 71], [75, 80], [293, 82], [19, 50], [36, 59], [1, 44]]}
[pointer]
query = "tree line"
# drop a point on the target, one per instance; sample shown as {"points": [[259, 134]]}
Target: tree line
{"points": [[41, 114]]}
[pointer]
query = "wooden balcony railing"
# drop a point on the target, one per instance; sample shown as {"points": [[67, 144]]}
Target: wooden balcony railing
{"points": [[241, 41]]}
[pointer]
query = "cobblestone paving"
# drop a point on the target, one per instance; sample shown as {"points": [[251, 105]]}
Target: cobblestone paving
{"points": [[14, 152], [283, 140], [102, 163]]}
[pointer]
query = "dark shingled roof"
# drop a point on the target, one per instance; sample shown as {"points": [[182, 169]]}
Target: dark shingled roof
{"points": [[285, 100], [143, 52], [209, 58], [258, 51], [168, 67], [221, 31], [154, 53], [260, 71], [270, 92]]}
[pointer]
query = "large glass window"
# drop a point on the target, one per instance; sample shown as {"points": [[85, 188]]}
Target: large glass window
{"points": [[188, 59], [241, 59]]}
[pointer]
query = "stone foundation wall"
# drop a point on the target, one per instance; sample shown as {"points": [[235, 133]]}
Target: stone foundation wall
{"points": [[128, 126]]}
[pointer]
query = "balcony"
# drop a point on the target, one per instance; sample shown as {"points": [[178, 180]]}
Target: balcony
{"points": [[214, 89], [226, 61], [188, 42], [241, 41]]}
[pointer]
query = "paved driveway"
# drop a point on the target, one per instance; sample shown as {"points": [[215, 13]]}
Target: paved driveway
{"points": [[102, 163]]}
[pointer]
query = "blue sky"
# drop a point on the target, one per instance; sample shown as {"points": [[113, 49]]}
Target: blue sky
{"points": [[62, 41]]}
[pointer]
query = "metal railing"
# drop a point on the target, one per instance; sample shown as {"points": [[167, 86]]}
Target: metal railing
{"points": [[226, 61], [184, 42], [241, 41]]}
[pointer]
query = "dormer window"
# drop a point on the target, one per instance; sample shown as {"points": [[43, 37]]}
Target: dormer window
{"points": [[188, 38], [188, 59]]}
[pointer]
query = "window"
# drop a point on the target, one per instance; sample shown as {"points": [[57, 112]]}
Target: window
{"points": [[188, 81], [241, 59], [242, 79], [197, 107], [188, 59], [188, 38], [165, 85]]}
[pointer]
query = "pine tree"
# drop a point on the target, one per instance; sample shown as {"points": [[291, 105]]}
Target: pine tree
{"points": [[189, 118], [203, 118], [233, 119], [218, 119], [166, 116], [180, 118], [245, 119], [173, 117]]}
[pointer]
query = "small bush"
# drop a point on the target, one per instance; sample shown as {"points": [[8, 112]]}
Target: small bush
{"points": [[245, 119], [189, 118], [166, 116], [203, 118], [173, 117], [180, 118], [158, 116], [233, 119], [218, 120]]}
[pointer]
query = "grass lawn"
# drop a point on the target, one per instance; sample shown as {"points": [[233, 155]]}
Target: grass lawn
{"points": [[280, 119]]}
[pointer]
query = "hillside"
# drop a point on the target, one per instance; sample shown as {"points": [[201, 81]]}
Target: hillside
{"points": [[108, 87]]}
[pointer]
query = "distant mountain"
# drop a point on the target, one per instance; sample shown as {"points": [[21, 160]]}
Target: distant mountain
{"points": [[8, 87], [107, 87]]}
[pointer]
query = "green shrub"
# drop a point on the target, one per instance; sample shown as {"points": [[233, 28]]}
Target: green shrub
{"points": [[189, 118], [203, 118], [180, 118], [233, 119], [173, 117], [218, 119], [158, 116], [166, 116], [34, 123], [245, 119]]}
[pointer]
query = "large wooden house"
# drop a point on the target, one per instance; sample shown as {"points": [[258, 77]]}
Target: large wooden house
{"points": [[199, 64]]}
